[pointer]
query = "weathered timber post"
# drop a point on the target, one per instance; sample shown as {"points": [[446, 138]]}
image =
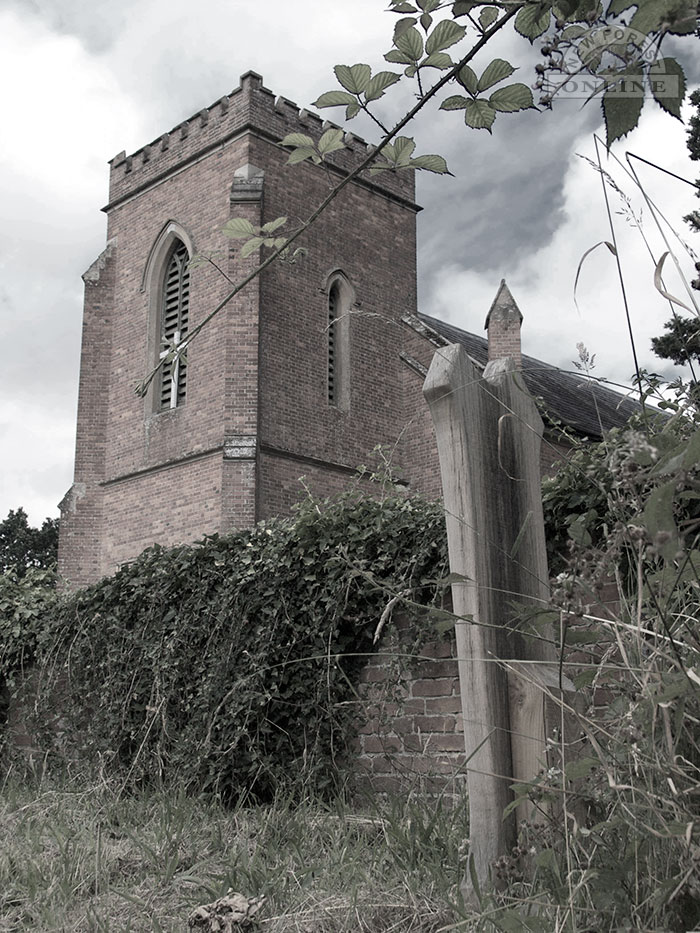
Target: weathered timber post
{"points": [[489, 434]]}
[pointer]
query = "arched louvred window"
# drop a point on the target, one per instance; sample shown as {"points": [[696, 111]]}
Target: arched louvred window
{"points": [[174, 328], [340, 301], [333, 373]]}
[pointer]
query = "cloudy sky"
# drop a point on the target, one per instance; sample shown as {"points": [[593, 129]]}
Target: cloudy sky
{"points": [[84, 79]]}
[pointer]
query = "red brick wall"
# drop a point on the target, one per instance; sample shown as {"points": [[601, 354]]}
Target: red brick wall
{"points": [[266, 385], [82, 507], [410, 733], [371, 239]]}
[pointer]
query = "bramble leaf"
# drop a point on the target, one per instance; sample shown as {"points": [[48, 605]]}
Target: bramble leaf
{"points": [[331, 99], [445, 34], [354, 78], [251, 246], [410, 43], [532, 20], [467, 78], [239, 227], [379, 83], [297, 139], [496, 71], [302, 153], [488, 16], [667, 81], [402, 25], [431, 163], [659, 519], [397, 57], [437, 60], [273, 225], [456, 102], [331, 141], [512, 98], [403, 149], [426, 21], [352, 110], [675, 16], [622, 112], [479, 114]]}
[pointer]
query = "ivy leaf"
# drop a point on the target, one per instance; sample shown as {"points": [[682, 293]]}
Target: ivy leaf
{"points": [[488, 16], [410, 43], [251, 246], [512, 98], [302, 153], [331, 141], [273, 225], [479, 114], [456, 102], [467, 78], [431, 163], [445, 34], [621, 113], [239, 227], [437, 60], [667, 82], [332, 99], [496, 71], [298, 139], [379, 83], [532, 20], [354, 78]]}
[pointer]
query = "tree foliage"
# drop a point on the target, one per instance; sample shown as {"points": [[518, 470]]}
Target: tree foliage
{"points": [[693, 143], [23, 547], [681, 342]]}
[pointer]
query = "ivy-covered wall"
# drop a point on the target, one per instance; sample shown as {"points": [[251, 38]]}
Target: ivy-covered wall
{"points": [[236, 664]]}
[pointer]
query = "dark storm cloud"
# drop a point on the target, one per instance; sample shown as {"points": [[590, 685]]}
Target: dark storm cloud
{"points": [[508, 197]]}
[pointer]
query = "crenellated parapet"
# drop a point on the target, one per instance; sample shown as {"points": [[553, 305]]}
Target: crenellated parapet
{"points": [[251, 107]]}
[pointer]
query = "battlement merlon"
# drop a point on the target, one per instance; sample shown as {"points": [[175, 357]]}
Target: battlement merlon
{"points": [[250, 108]]}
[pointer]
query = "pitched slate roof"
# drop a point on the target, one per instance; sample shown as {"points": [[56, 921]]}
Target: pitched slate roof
{"points": [[583, 405]]}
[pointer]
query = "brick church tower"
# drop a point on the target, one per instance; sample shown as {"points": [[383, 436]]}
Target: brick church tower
{"points": [[298, 375]]}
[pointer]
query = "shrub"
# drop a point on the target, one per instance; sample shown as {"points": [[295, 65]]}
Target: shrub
{"points": [[622, 850]]}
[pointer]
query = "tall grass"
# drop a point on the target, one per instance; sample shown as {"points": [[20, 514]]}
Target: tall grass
{"points": [[81, 858]]}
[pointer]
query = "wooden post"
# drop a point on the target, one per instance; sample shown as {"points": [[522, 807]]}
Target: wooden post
{"points": [[489, 434]]}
